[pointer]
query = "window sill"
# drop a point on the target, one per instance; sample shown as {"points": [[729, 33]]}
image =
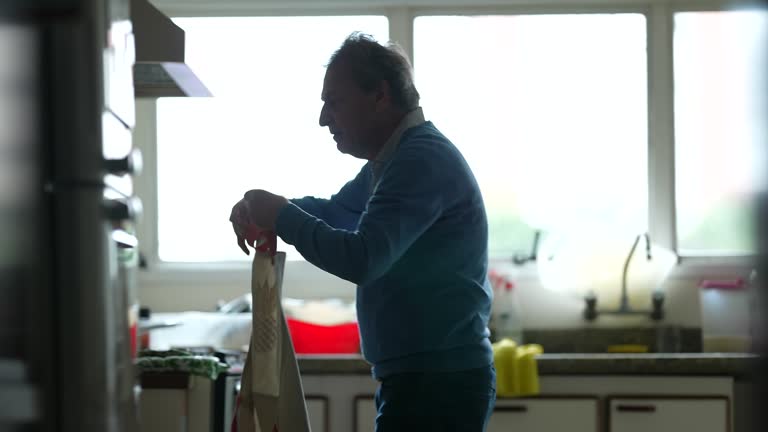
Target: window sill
{"points": [[688, 268]]}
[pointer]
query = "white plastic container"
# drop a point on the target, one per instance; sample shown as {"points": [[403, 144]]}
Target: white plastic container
{"points": [[757, 319], [725, 315]]}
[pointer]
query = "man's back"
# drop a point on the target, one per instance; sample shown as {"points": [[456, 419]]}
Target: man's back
{"points": [[429, 310]]}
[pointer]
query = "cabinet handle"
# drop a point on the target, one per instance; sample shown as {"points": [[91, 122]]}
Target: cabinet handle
{"points": [[636, 408], [512, 408]]}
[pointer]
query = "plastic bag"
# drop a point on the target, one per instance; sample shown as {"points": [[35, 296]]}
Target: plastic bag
{"points": [[271, 396]]}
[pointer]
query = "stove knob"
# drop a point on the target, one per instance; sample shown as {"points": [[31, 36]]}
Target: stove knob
{"points": [[123, 209], [131, 164]]}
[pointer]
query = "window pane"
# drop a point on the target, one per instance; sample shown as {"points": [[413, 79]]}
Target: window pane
{"points": [[260, 130], [549, 110], [720, 128]]}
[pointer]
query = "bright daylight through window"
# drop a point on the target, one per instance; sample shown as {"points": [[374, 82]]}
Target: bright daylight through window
{"points": [[720, 121], [551, 113], [259, 131]]}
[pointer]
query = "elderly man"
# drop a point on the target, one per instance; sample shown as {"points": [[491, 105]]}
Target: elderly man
{"points": [[411, 231]]}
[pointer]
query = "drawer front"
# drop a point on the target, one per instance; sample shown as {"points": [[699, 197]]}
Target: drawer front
{"points": [[317, 410], [545, 415], [669, 415], [365, 413]]}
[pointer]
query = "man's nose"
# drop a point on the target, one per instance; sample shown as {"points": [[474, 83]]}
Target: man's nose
{"points": [[324, 117]]}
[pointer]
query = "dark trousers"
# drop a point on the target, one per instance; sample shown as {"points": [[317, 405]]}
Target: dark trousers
{"points": [[436, 401]]}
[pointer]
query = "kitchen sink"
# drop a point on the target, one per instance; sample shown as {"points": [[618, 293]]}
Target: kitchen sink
{"points": [[657, 339]]}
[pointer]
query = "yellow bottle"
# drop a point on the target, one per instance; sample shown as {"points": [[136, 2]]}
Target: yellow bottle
{"points": [[504, 359], [527, 377]]}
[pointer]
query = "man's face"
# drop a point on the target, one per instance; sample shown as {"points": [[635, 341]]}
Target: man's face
{"points": [[350, 113]]}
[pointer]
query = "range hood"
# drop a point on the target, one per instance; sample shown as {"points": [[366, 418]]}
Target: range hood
{"points": [[160, 70]]}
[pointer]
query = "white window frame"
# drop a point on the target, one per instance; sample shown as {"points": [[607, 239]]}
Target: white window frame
{"points": [[401, 13]]}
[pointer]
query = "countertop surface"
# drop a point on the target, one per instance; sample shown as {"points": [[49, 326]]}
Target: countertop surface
{"points": [[733, 364]]}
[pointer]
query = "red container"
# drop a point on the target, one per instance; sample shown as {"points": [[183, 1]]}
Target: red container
{"points": [[309, 338]]}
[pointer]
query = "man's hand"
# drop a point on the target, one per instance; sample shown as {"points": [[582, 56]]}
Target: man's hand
{"points": [[258, 207], [239, 219], [263, 208]]}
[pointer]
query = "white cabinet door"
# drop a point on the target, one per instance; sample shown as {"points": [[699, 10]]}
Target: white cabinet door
{"points": [[183, 405], [317, 409], [577, 414], [365, 414], [701, 414]]}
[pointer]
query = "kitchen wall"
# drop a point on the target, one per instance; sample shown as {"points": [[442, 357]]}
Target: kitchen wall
{"points": [[541, 308], [200, 289]]}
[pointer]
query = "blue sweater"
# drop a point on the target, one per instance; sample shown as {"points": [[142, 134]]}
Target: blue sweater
{"points": [[416, 244]]}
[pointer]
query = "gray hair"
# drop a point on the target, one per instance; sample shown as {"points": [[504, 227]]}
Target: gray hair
{"points": [[370, 63]]}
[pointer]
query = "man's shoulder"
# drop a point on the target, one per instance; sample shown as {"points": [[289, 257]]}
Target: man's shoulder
{"points": [[426, 141], [423, 132]]}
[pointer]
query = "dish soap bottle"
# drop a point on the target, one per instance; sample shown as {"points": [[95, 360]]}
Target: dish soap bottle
{"points": [[508, 323]]}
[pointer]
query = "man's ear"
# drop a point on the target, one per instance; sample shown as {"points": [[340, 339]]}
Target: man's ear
{"points": [[383, 96]]}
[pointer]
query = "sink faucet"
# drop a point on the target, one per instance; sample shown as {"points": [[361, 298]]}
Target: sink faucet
{"points": [[657, 299]]}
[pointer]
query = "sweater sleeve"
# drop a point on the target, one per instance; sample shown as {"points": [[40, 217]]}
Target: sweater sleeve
{"points": [[344, 208], [407, 201]]}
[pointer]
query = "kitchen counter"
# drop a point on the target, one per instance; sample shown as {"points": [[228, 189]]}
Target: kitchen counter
{"points": [[731, 364]]}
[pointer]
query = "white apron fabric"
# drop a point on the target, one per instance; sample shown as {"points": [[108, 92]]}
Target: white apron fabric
{"points": [[271, 397]]}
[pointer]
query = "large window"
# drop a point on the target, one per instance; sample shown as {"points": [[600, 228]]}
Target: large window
{"points": [[720, 128], [549, 110], [259, 131]]}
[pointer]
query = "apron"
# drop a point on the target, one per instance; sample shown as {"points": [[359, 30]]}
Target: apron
{"points": [[271, 398]]}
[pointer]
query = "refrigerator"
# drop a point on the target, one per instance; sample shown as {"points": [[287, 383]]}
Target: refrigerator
{"points": [[68, 252]]}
